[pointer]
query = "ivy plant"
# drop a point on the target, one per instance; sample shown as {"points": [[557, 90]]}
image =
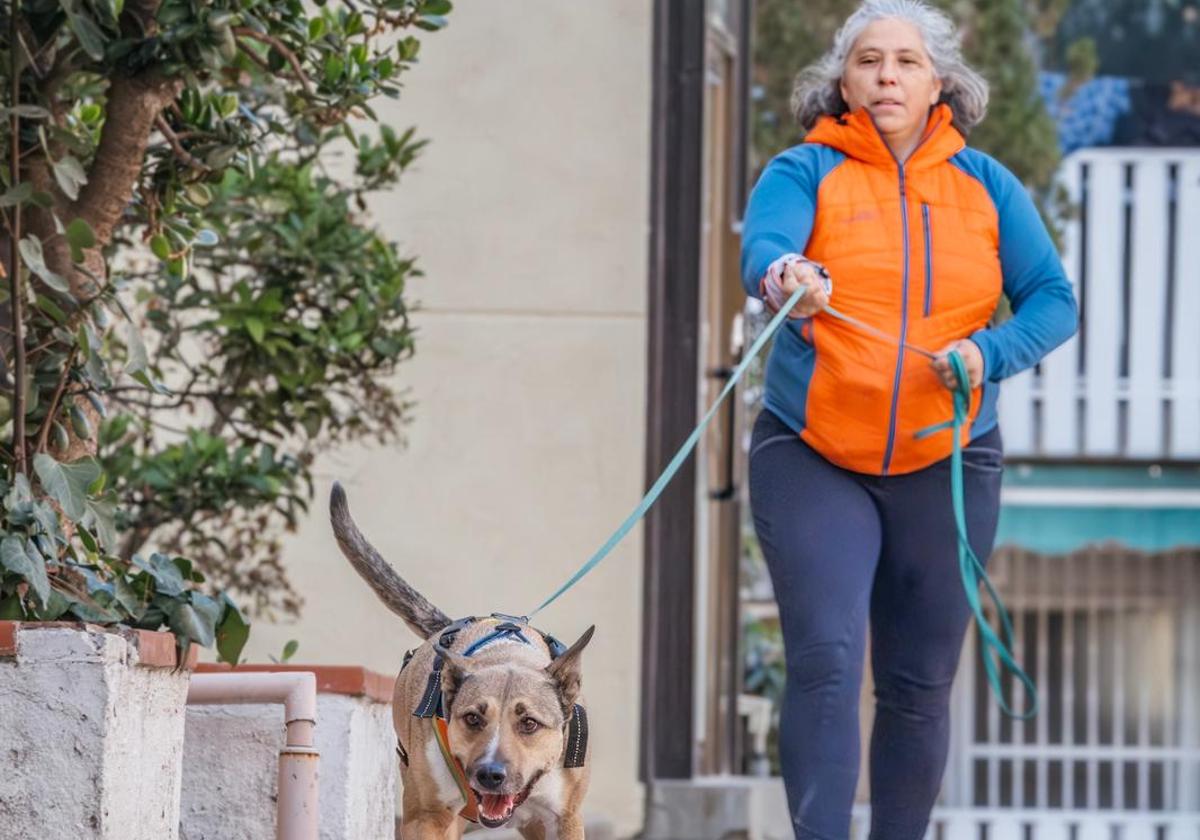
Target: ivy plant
{"points": [[195, 302]]}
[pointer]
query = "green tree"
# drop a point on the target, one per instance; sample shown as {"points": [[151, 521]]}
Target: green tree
{"points": [[196, 303]]}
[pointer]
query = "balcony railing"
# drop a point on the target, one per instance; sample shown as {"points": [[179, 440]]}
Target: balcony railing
{"points": [[1128, 385]]}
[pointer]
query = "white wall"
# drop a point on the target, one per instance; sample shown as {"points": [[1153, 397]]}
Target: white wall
{"points": [[528, 212]]}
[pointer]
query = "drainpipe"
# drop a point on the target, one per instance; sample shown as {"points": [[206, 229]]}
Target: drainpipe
{"points": [[297, 814]]}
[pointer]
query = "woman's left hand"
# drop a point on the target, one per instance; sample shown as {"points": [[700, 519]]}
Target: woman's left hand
{"points": [[972, 357]]}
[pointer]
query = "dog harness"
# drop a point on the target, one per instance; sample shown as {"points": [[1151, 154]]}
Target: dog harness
{"points": [[433, 707]]}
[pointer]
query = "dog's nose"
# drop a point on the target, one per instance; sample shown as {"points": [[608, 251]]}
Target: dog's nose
{"points": [[490, 776]]}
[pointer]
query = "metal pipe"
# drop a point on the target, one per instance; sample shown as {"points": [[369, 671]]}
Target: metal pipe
{"points": [[297, 814]]}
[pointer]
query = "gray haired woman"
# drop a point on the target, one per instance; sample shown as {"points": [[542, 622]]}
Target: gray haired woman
{"points": [[886, 210]]}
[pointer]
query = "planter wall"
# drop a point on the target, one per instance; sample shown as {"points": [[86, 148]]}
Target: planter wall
{"points": [[231, 756], [91, 731]]}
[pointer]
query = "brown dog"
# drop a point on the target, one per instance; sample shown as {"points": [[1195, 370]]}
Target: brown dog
{"points": [[488, 714]]}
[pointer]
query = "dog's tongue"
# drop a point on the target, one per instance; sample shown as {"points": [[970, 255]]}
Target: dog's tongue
{"points": [[496, 805]]}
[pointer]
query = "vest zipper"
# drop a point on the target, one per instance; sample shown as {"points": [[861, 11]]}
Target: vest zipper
{"points": [[925, 222], [891, 438]]}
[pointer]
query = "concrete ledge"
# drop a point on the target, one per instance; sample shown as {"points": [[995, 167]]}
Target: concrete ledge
{"points": [[718, 808], [351, 680], [152, 648], [231, 755], [92, 733]]}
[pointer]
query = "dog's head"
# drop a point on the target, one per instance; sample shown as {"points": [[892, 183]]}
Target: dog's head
{"points": [[508, 724]]}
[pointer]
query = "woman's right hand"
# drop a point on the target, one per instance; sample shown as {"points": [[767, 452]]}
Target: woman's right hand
{"points": [[785, 276]]}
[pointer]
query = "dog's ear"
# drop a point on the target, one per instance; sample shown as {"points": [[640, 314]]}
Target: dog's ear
{"points": [[567, 671], [456, 668]]}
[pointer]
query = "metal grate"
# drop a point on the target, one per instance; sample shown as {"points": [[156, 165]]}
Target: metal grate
{"points": [[1113, 638]]}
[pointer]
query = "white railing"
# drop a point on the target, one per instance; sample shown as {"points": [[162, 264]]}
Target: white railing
{"points": [[1128, 385], [979, 824]]}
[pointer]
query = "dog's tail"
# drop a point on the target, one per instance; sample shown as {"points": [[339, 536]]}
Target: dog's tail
{"points": [[423, 617]]}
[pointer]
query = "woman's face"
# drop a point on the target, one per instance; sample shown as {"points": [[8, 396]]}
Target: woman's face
{"points": [[889, 73]]}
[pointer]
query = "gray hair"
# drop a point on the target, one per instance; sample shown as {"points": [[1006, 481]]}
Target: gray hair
{"points": [[817, 89]]}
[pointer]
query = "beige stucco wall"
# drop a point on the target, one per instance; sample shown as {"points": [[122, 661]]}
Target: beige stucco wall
{"points": [[529, 215]]}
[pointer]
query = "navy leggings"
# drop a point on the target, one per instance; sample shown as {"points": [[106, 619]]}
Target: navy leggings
{"points": [[844, 548]]}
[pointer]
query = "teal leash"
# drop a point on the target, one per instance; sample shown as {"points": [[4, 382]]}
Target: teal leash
{"points": [[997, 650], [677, 461]]}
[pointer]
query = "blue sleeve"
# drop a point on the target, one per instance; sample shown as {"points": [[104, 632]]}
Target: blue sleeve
{"points": [[779, 215], [1044, 309]]}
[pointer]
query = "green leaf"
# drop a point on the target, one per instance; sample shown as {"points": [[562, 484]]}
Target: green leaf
{"points": [[167, 578], [209, 609], [289, 650], [161, 246], [232, 633], [10, 608], [89, 542], [431, 23], [80, 235], [51, 308], [26, 112], [190, 623], [124, 595], [334, 65], [437, 7], [90, 36], [80, 424], [57, 607], [93, 611], [31, 252], [70, 176], [198, 194], [48, 519], [101, 518], [256, 329], [21, 192], [138, 360], [152, 384], [67, 483], [21, 491], [26, 561]]}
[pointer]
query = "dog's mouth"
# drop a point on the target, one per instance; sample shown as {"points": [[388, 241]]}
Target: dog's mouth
{"points": [[495, 809]]}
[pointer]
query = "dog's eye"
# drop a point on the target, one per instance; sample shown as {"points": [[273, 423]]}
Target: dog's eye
{"points": [[529, 726], [473, 720]]}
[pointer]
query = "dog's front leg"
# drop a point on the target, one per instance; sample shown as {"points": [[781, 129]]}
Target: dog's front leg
{"points": [[442, 825], [570, 827], [564, 827]]}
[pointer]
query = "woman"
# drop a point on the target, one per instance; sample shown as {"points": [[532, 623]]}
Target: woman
{"points": [[886, 212]]}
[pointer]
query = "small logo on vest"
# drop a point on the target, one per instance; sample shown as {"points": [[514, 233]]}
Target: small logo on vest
{"points": [[863, 216]]}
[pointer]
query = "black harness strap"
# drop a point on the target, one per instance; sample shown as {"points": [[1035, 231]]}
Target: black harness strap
{"points": [[577, 738], [430, 705]]}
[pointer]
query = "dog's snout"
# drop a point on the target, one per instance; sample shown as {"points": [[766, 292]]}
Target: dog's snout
{"points": [[491, 775]]}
